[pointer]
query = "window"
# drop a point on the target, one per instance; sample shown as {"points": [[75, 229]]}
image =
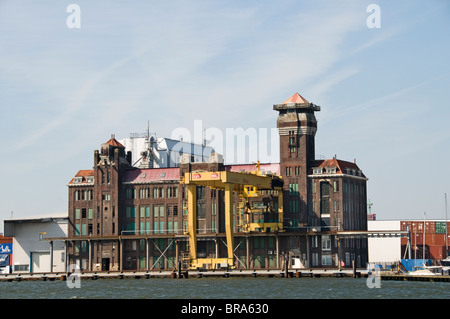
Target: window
{"points": [[172, 192], [83, 213], [293, 189], [325, 189], [288, 171], [336, 186], [326, 242], [144, 193], [158, 211], [21, 267], [317, 170], [336, 206], [315, 259], [77, 213], [314, 241], [129, 193], [326, 260]]}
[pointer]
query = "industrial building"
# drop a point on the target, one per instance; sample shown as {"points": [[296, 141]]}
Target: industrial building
{"points": [[31, 251], [203, 213], [427, 240]]}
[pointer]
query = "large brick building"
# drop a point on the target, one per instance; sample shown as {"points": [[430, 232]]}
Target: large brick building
{"points": [[128, 218]]}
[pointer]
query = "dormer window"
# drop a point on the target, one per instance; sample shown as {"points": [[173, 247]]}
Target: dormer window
{"points": [[90, 179], [317, 170], [331, 170], [77, 180]]}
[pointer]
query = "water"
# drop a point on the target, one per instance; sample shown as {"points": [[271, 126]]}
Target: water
{"points": [[225, 288]]}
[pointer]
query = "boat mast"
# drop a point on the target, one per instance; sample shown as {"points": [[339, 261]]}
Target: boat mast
{"points": [[424, 215], [446, 232]]}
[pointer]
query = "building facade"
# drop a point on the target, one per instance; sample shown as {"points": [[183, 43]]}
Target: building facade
{"points": [[32, 251], [124, 217]]}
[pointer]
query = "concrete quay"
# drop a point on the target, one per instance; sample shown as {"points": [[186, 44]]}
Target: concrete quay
{"points": [[270, 273]]}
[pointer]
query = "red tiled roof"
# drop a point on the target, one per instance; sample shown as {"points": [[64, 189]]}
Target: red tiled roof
{"points": [[339, 164], [296, 98], [83, 173], [148, 175], [114, 142]]}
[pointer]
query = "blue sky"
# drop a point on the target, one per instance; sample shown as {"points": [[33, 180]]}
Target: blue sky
{"points": [[384, 92]]}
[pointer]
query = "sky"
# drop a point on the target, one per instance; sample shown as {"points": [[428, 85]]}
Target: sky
{"points": [[71, 78]]}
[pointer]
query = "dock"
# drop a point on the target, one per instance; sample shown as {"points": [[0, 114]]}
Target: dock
{"points": [[269, 273], [405, 277]]}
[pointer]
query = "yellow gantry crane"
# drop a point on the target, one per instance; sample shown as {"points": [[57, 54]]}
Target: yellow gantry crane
{"points": [[247, 185]]}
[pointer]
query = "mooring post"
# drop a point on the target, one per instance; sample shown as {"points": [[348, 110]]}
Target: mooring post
{"points": [[354, 268], [286, 264]]}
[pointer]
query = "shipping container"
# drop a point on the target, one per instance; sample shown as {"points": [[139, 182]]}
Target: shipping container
{"points": [[440, 227], [436, 252]]}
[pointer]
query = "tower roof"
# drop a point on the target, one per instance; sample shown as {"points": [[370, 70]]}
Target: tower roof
{"points": [[114, 142], [295, 98], [296, 101]]}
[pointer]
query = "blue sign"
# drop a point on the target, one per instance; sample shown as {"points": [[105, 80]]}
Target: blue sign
{"points": [[5, 248]]}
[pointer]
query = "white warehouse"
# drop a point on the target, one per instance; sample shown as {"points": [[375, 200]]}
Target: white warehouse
{"points": [[31, 253], [384, 250]]}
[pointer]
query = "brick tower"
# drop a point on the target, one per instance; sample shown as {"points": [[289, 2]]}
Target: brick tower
{"points": [[297, 127]]}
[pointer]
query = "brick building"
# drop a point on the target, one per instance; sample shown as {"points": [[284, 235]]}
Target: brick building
{"points": [[129, 218]]}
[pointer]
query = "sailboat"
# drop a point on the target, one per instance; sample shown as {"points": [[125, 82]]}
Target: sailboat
{"points": [[446, 262]]}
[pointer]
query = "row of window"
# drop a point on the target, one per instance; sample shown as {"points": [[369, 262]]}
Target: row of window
{"points": [[293, 170], [84, 195], [158, 211], [154, 192]]}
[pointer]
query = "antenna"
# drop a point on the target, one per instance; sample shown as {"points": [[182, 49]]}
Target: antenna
{"points": [[370, 204]]}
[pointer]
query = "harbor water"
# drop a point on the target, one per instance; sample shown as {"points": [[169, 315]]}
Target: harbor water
{"points": [[225, 288]]}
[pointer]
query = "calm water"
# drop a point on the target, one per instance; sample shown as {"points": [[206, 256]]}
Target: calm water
{"points": [[228, 288]]}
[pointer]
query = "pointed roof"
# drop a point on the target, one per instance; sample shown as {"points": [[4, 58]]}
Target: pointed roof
{"points": [[114, 142], [296, 98], [339, 164]]}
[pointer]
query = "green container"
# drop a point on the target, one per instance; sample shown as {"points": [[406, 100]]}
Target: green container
{"points": [[440, 227]]}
